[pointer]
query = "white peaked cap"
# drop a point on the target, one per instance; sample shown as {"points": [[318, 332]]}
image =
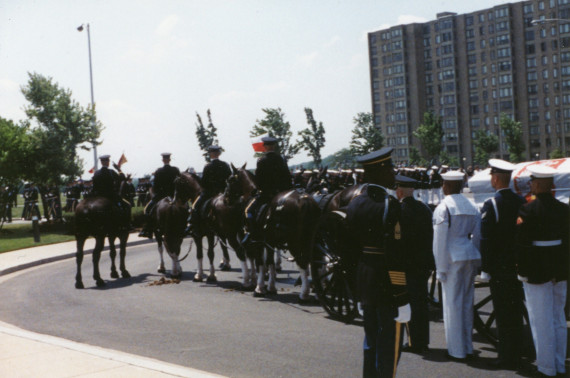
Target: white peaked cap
{"points": [[541, 171], [453, 176]]}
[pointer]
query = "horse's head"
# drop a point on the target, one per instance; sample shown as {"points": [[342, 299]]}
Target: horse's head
{"points": [[240, 184], [187, 186]]}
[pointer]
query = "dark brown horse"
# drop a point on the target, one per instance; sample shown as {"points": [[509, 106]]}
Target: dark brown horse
{"points": [[290, 224], [168, 220], [98, 217]]}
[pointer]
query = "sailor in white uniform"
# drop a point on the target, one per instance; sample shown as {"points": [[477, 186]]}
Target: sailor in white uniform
{"points": [[456, 223]]}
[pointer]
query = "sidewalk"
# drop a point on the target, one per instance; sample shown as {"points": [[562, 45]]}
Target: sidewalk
{"points": [[28, 354]]}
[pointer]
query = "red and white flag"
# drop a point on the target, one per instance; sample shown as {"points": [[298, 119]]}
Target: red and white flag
{"points": [[92, 170], [257, 143], [122, 160]]}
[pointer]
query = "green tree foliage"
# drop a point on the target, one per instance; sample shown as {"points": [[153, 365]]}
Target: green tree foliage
{"points": [[430, 134], [485, 143], [312, 138], [58, 126], [274, 124], [365, 136], [207, 135], [416, 158], [513, 137], [15, 160], [556, 154]]}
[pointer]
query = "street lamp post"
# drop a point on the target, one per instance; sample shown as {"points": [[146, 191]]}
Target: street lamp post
{"points": [[80, 29]]}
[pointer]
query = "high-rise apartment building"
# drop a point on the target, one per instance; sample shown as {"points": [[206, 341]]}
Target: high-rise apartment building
{"points": [[470, 68]]}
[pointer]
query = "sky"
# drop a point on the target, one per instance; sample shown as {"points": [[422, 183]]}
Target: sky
{"points": [[157, 63]]}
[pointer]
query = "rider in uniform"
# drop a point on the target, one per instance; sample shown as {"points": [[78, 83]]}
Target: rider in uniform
{"points": [[163, 186], [542, 261], [214, 177], [417, 246], [498, 250], [271, 176], [373, 218]]}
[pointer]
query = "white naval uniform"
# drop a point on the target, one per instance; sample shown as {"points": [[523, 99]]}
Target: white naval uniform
{"points": [[456, 252]]}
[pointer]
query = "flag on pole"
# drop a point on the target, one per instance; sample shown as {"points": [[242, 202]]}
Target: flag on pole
{"points": [[257, 143], [122, 160], [92, 170]]}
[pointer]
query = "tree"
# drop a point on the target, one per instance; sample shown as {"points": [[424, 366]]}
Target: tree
{"points": [[416, 158], [15, 151], [485, 143], [274, 124], [59, 126], [207, 135], [366, 137], [312, 138], [556, 153], [430, 134], [513, 137]]}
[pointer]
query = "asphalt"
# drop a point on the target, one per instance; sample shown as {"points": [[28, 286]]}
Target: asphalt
{"points": [[28, 354]]}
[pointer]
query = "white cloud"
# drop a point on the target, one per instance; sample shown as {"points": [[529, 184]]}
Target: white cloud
{"points": [[167, 25], [307, 60]]}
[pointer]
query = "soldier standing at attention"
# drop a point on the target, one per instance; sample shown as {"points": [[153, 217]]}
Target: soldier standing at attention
{"points": [[417, 244], [456, 226], [162, 187], [542, 243], [498, 229], [373, 218], [214, 177]]}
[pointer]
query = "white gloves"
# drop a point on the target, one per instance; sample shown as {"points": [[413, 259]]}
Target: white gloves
{"points": [[484, 277], [404, 314], [522, 279], [360, 309], [441, 276]]}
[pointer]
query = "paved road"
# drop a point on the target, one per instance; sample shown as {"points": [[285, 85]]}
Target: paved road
{"points": [[208, 327]]}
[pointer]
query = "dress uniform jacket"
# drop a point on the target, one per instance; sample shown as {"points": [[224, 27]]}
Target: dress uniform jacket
{"points": [[272, 174], [542, 235], [105, 183], [163, 185], [455, 247], [498, 255], [214, 177]]}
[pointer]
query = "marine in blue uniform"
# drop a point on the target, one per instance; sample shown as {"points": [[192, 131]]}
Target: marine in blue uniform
{"points": [[163, 186], [373, 218], [542, 261], [214, 178], [417, 239], [498, 250]]}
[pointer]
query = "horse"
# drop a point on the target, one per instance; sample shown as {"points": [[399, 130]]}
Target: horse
{"points": [[98, 217], [168, 220], [290, 224], [206, 230]]}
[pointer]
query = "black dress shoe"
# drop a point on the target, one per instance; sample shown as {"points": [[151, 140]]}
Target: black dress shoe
{"points": [[500, 364], [415, 349]]}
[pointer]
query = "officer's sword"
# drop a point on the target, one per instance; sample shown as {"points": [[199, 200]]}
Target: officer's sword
{"points": [[397, 348]]}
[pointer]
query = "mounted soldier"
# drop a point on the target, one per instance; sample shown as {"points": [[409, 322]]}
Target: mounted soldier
{"points": [[106, 183], [374, 219], [163, 186], [271, 176], [214, 177]]}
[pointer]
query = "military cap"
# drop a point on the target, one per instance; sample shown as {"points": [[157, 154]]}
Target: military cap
{"points": [[382, 155], [541, 171], [165, 154], [214, 148], [104, 157], [268, 140], [405, 181], [501, 166], [453, 176]]}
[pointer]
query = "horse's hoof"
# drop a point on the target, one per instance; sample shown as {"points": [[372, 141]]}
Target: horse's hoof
{"points": [[114, 274], [198, 279], [125, 274], [161, 270], [258, 294], [79, 285], [272, 292], [100, 283], [226, 267], [211, 279]]}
